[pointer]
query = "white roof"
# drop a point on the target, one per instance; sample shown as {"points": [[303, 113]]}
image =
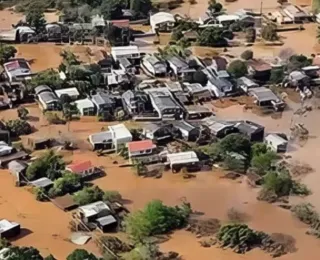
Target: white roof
{"points": [[120, 132], [6, 225], [94, 208], [124, 50], [84, 103], [68, 91], [276, 139], [184, 157], [161, 17], [227, 17]]}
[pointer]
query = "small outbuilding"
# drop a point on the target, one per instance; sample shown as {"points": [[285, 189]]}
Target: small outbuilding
{"points": [[218, 128], [17, 168], [253, 131], [43, 182], [91, 212], [276, 143], [102, 140], [120, 135], [49, 101], [184, 159], [66, 202], [73, 93], [9, 229], [107, 223], [162, 22], [188, 131]]}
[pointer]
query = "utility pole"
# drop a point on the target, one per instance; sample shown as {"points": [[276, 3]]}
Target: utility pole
{"points": [[261, 4]]}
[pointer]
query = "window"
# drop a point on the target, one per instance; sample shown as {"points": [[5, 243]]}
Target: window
{"points": [[148, 151]]}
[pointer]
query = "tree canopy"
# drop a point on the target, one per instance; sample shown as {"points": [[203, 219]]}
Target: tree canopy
{"points": [[269, 32], [212, 37], [67, 183], [23, 253], [247, 55], [156, 218], [35, 18], [236, 143], [48, 165], [18, 127], [81, 254], [22, 113], [88, 195], [50, 78], [237, 68], [6, 52]]}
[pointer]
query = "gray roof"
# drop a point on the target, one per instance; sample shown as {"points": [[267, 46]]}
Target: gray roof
{"points": [[248, 127], [17, 166], [107, 220], [48, 97], [102, 137], [183, 125], [102, 99], [247, 82], [42, 88], [152, 59], [42, 182], [162, 98], [264, 94], [125, 62], [215, 125], [197, 109], [178, 62]]}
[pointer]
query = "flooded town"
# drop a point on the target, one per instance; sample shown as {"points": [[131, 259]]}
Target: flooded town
{"points": [[159, 129]]}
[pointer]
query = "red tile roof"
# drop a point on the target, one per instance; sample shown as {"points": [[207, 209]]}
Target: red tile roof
{"points": [[140, 145], [80, 167]]}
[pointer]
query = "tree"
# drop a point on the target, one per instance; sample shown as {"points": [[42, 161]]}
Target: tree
{"points": [[48, 165], [277, 75], [251, 34], [40, 194], [81, 254], [269, 32], [69, 182], [88, 195], [35, 18], [278, 182], [297, 62], [18, 127], [4, 243], [247, 55], [140, 8], [112, 196], [111, 9], [23, 253], [50, 78], [236, 143], [50, 257], [156, 218], [234, 164], [262, 163], [237, 68], [212, 37], [144, 251], [6, 52], [214, 6], [22, 113]]}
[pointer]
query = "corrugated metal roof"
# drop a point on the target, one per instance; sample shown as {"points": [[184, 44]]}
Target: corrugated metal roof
{"points": [[182, 158]]}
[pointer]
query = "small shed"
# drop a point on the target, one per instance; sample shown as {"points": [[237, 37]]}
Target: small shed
{"points": [[9, 229], [107, 223], [189, 132], [276, 143], [218, 128], [85, 107], [4, 160], [43, 182], [183, 159], [162, 22], [253, 131], [91, 212], [17, 168], [102, 140], [66, 202]]}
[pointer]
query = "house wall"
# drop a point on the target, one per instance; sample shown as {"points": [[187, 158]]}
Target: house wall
{"points": [[140, 153], [13, 232]]}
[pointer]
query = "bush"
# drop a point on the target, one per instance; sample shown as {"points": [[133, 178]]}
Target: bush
{"points": [[18, 127], [236, 143], [112, 196], [262, 163], [269, 33], [48, 77], [88, 195], [300, 189], [307, 214], [250, 35], [212, 37], [79, 254], [22, 113], [278, 182], [156, 218], [4, 243], [54, 119], [40, 194], [7, 52], [237, 68], [276, 75], [247, 55], [234, 164], [68, 183]]}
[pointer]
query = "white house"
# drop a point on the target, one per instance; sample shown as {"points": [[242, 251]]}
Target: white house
{"points": [[49, 101], [162, 21], [73, 93], [276, 143], [9, 229], [120, 135], [131, 52], [226, 19], [182, 158], [85, 107]]}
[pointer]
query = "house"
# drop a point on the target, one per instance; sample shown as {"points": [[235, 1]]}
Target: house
{"points": [[218, 63], [20, 34], [295, 13], [120, 135], [265, 97], [103, 102], [154, 65], [179, 66], [37, 143], [84, 169], [276, 143], [5, 149], [245, 84], [85, 107], [9, 229], [107, 223], [136, 103], [219, 86], [176, 88], [17, 70], [49, 101], [162, 22], [311, 71], [41, 89], [183, 159], [116, 77], [66, 202], [127, 66], [259, 69], [5, 136], [18, 168], [196, 112], [140, 148], [131, 52], [91, 212], [164, 103], [160, 132], [253, 131], [197, 91], [189, 132], [43, 182], [102, 140], [297, 79], [218, 128], [227, 19], [73, 93]]}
